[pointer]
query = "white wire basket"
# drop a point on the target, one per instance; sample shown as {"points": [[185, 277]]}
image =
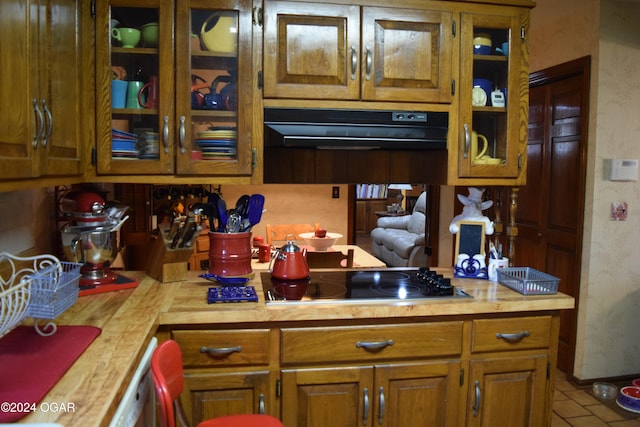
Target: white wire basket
{"points": [[40, 286], [14, 298]]}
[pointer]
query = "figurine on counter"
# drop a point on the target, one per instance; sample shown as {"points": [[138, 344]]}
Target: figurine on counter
{"points": [[470, 257], [472, 210]]}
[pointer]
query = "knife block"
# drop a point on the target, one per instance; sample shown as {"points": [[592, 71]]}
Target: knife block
{"points": [[168, 265]]}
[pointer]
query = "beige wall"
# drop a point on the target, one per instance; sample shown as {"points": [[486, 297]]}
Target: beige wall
{"points": [[608, 341]]}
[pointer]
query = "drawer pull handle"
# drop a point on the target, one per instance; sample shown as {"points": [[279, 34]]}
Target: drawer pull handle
{"points": [[513, 337], [220, 351], [374, 345]]}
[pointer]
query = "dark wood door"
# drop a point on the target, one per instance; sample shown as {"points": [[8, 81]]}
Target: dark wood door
{"points": [[551, 206]]}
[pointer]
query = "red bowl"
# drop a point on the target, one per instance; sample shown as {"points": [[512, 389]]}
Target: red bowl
{"points": [[636, 382]]}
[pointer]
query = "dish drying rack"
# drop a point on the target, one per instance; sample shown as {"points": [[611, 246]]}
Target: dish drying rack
{"points": [[41, 287]]}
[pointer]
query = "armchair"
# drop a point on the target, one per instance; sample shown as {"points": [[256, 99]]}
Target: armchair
{"points": [[400, 241]]}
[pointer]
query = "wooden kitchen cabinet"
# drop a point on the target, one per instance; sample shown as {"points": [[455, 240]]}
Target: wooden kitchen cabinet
{"points": [[509, 376], [226, 372], [346, 376], [44, 102], [357, 53], [204, 130], [503, 124]]}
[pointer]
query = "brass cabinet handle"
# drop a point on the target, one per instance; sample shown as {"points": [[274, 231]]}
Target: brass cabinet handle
{"points": [[165, 134], [365, 408], [513, 337], [354, 62], [476, 404], [39, 123], [383, 406], [369, 61], [220, 351], [182, 133], [373, 345], [49, 118]]}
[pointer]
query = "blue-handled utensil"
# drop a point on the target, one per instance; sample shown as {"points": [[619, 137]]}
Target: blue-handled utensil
{"points": [[222, 216], [254, 212]]}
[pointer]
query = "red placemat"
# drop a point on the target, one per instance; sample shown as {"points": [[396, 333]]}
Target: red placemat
{"points": [[30, 364]]}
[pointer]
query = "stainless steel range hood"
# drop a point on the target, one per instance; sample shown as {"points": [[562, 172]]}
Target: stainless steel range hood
{"points": [[355, 129]]}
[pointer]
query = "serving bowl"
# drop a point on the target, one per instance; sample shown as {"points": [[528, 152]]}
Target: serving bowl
{"points": [[629, 398], [604, 390], [320, 244]]}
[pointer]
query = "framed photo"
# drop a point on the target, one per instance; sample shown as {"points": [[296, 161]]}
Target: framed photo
{"points": [[470, 238]]}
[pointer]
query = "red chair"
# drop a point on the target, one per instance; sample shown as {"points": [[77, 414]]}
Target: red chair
{"points": [[167, 373]]}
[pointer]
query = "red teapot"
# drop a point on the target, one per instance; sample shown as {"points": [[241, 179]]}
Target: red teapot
{"points": [[289, 262]]}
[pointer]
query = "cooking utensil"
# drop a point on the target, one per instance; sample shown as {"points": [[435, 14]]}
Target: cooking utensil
{"points": [[119, 224], [254, 211], [222, 215], [242, 205], [233, 225]]}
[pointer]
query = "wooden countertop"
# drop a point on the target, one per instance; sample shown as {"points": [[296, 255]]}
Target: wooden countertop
{"points": [[129, 318]]}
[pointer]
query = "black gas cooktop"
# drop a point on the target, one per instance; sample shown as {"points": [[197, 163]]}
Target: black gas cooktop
{"points": [[359, 285]]}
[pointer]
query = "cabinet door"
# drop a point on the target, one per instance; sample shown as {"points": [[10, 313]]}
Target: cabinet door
{"points": [[406, 55], [62, 95], [321, 397], [425, 394], [19, 88], [311, 50], [493, 96], [508, 392], [214, 89], [216, 394], [135, 88]]}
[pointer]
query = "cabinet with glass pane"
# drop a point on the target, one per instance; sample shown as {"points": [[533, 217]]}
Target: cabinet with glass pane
{"points": [[187, 103], [493, 86]]}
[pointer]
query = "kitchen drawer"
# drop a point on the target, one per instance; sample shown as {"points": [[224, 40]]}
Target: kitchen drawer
{"points": [[226, 348], [521, 333], [349, 344]]}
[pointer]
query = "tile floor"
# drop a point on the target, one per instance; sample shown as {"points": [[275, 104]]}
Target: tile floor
{"points": [[575, 406]]}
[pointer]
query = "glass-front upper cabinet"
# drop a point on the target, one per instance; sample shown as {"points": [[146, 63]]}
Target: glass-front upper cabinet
{"points": [[214, 87], [492, 134], [135, 87], [172, 96]]}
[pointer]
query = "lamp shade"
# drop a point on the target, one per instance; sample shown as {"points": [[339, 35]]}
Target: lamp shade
{"points": [[400, 187]]}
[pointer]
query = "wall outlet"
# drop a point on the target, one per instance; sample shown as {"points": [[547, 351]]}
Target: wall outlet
{"points": [[618, 211]]}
